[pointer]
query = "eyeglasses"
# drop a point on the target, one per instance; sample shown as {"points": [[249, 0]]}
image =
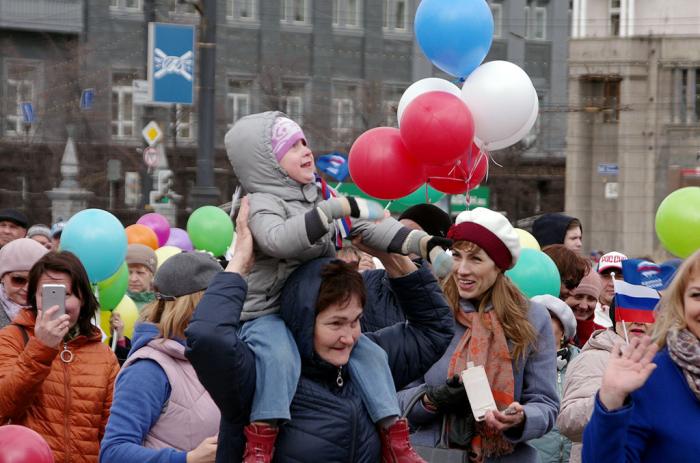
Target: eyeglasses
{"points": [[18, 280]]}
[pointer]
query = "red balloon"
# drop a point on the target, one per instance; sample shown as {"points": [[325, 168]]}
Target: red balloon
{"points": [[382, 167], [460, 177], [437, 128], [23, 445]]}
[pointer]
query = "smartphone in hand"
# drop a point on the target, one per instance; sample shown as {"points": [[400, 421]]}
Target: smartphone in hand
{"points": [[52, 295]]}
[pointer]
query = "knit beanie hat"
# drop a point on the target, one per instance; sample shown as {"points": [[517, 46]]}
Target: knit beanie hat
{"points": [[591, 285], [551, 228], [14, 216], [431, 218], [20, 255], [561, 310], [141, 254], [185, 273], [285, 133], [39, 229], [490, 231]]}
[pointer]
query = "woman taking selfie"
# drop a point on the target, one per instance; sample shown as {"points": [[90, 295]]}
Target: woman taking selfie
{"points": [[498, 328], [648, 405], [56, 376]]}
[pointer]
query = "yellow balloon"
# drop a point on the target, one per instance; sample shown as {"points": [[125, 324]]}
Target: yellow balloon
{"points": [[527, 240], [129, 312], [166, 252]]}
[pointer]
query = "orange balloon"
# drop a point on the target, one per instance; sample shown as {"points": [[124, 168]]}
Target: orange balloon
{"points": [[141, 234]]}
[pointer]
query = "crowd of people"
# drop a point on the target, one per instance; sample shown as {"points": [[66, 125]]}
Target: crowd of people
{"points": [[295, 352]]}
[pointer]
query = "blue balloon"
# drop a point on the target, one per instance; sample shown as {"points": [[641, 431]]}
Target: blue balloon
{"points": [[455, 35], [99, 241]]}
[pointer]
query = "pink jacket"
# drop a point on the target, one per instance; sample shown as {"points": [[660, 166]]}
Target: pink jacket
{"points": [[187, 418]]}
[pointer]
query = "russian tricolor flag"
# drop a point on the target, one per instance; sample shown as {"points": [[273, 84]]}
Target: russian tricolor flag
{"points": [[634, 303]]}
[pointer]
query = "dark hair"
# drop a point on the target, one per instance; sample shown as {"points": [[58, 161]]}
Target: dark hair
{"points": [[66, 262], [339, 282], [572, 267], [574, 224]]}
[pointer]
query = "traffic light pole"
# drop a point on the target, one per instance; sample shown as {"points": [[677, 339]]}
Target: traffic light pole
{"points": [[205, 190]]}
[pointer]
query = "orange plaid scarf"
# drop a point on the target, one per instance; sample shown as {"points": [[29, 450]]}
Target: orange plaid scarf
{"points": [[484, 343]]}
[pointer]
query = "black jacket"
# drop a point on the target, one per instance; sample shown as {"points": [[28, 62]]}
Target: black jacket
{"points": [[329, 423]]}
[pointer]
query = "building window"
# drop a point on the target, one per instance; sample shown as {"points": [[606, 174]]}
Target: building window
{"points": [[396, 15], [392, 96], [536, 22], [292, 102], [123, 113], [347, 13], [602, 94], [134, 5], [241, 10], [614, 18], [238, 99], [295, 12], [184, 120], [497, 13], [20, 87], [343, 110], [686, 95]]}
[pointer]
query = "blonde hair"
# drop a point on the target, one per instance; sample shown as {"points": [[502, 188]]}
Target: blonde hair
{"points": [[671, 312], [509, 304], [172, 317]]}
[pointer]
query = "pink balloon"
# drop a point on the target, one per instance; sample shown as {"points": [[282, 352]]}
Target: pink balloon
{"points": [[180, 239], [158, 224], [23, 445]]}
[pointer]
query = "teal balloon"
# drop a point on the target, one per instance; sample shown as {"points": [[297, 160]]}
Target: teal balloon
{"points": [[535, 274], [98, 239], [210, 229], [111, 291], [678, 222], [396, 206]]}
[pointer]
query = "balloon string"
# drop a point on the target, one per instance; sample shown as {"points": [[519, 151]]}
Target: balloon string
{"points": [[427, 198]]}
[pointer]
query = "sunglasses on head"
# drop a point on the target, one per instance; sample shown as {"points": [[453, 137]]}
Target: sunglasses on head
{"points": [[18, 280]]}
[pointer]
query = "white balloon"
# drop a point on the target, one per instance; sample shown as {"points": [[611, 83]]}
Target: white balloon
{"points": [[419, 87], [502, 100], [519, 135]]}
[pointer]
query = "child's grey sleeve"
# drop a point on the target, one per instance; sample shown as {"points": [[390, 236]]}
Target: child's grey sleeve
{"points": [[276, 234], [387, 235]]}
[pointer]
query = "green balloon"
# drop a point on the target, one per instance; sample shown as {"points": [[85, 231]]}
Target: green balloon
{"points": [[110, 291], [678, 222], [535, 274], [396, 206], [210, 229]]}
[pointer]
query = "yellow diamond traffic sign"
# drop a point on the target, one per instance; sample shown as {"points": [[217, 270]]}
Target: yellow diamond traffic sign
{"points": [[152, 133]]}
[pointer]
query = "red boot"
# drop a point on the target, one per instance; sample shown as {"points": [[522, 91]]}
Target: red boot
{"points": [[396, 447], [260, 443]]}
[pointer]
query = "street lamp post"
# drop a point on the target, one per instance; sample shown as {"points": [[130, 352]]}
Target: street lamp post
{"points": [[205, 190]]}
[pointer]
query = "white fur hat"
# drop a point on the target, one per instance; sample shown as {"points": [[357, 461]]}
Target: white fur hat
{"points": [[490, 231], [561, 310]]}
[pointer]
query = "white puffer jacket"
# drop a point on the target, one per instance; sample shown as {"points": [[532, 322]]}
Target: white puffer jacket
{"points": [[583, 378]]}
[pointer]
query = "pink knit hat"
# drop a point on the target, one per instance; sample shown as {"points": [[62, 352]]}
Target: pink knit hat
{"points": [[591, 285], [20, 255], [285, 133]]}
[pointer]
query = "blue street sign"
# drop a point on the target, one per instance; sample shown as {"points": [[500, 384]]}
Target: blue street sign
{"points": [[608, 169], [86, 98], [171, 63], [27, 112]]}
